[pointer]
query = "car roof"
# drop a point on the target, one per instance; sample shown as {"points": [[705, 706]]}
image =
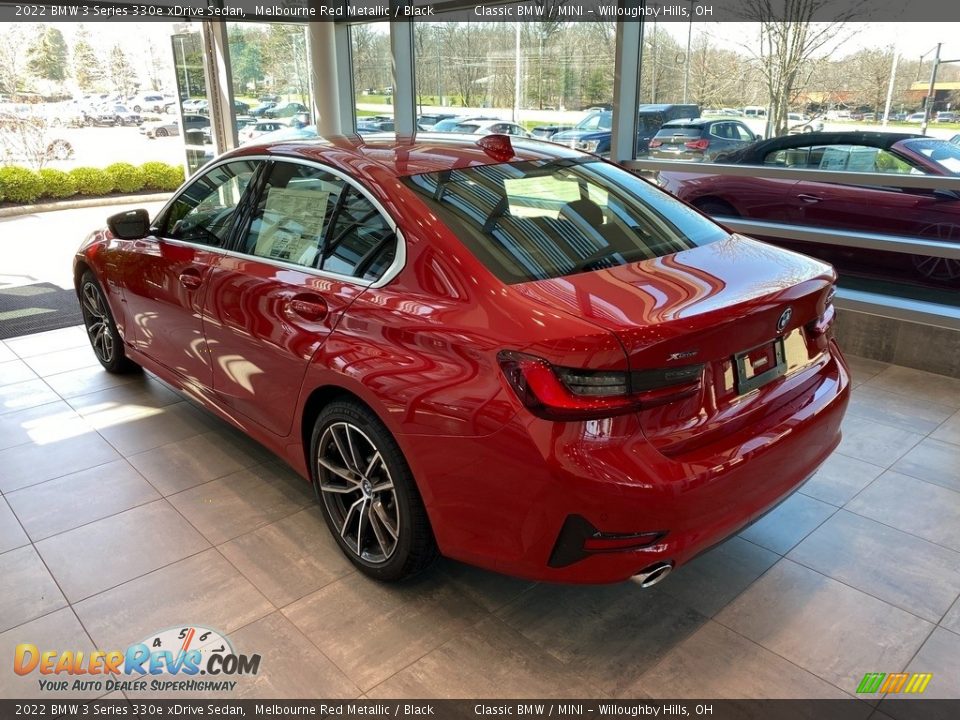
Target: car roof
{"points": [[871, 139], [403, 156], [692, 122], [486, 123]]}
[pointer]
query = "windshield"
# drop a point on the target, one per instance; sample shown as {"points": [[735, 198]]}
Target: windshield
{"points": [[940, 152], [596, 121], [541, 219]]}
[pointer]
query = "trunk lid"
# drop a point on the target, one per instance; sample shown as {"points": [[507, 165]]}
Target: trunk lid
{"points": [[708, 306]]}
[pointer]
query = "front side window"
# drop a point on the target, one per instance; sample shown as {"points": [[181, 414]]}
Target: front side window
{"points": [[292, 214], [203, 213], [856, 158], [742, 132], [540, 219], [309, 217]]}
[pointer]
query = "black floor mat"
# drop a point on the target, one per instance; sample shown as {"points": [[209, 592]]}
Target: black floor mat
{"points": [[28, 309]]}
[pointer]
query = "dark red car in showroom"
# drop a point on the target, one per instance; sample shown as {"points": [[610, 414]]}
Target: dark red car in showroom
{"points": [[912, 212], [505, 351]]}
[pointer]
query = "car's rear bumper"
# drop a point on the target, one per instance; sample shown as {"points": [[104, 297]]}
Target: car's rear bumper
{"points": [[502, 502]]}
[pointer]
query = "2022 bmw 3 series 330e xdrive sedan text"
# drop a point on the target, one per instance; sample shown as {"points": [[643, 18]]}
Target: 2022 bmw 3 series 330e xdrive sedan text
{"points": [[503, 351]]}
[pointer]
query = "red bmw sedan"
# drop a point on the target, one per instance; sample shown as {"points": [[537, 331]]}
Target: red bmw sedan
{"points": [[503, 351]]}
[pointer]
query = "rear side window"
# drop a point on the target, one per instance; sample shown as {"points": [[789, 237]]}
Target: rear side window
{"points": [[360, 243], [542, 219]]}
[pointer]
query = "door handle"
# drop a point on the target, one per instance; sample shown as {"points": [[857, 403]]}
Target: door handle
{"points": [[309, 307], [809, 198], [190, 278]]}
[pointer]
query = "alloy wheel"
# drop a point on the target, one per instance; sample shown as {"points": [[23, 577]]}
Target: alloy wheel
{"points": [[939, 268], [97, 321], [358, 492]]}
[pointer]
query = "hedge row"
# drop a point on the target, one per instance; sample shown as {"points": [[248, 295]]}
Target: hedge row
{"points": [[20, 185]]}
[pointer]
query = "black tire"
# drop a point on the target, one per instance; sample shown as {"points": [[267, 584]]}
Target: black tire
{"points": [[714, 208], [160, 132], [384, 532], [101, 330]]}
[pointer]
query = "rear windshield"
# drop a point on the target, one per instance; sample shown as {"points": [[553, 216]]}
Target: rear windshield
{"points": [[542, 219], [945, 154], [685, 131]]}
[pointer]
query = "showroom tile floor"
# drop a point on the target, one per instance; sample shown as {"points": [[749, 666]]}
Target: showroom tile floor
{"points": [[126, 510]]}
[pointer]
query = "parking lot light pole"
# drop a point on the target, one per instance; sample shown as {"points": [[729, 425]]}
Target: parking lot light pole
{"points": [[893, 79], [686, 70], [931, 93]]}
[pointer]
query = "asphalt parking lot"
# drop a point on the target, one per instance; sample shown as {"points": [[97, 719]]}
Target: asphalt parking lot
{"points": [[101, 146]]}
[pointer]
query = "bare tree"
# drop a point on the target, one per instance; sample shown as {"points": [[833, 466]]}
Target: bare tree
{"points": [[28, 138], [872, 73], [789, 40], [14, 43]]}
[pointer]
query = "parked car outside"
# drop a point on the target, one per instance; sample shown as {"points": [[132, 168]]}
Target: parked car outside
{"points": [[116, 115], [258, 112], [285, 110], [915, 117], [797, 123], [67, 114], [947, 116], [24, 136], [592, 134], [644, 383], [428, 120], [366, 127], [450, 124], [154, 102], [546, 132], [699, 139], [904, 211], [261, 127], [490, 127], [164, 128]]}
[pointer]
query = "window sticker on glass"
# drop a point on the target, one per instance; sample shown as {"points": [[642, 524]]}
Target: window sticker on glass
{"points": [[834, 158], [299, 216]]}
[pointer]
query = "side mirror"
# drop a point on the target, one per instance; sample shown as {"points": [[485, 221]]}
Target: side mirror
{"points": [[758, 137], [130, 225]]}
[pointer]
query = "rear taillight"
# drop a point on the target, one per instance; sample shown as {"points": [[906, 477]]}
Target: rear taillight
{"points": [[561, 393], [701, 144], [656, 143]]}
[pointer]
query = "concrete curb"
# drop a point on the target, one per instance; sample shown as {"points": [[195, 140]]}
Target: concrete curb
{"points": [[10, 212]]}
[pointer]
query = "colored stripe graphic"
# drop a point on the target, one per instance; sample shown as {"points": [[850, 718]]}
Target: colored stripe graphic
{"points": [[918, 683], [894, 683], [871, 682]]}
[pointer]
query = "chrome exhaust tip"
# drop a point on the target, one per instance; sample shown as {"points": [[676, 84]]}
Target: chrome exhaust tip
{"points": [[650, 576]]}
